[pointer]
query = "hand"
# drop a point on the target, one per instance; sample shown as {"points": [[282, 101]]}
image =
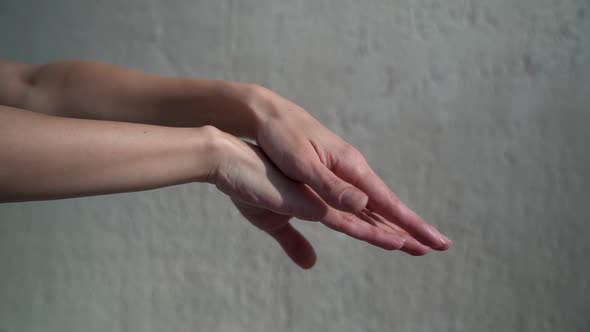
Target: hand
{"points": [[268, 199], [301, 251], [307, 152]]}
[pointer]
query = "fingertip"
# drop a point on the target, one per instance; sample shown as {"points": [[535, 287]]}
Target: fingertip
{"points": [[393, 243], [296, 246], [305, 258], [416, 251], [309, 262], [445, 246], [353, 200], [439, 241]]}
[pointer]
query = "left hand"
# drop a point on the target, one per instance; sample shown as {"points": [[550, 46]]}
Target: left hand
{"points": [[268, 199], [301, 251]]}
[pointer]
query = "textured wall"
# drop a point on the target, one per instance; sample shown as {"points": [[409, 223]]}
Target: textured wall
{"points": [[476, 112]]}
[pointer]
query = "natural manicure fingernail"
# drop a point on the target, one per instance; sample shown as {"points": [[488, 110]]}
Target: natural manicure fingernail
{"points": [[403, 242], [399, 242], [443, 240]]}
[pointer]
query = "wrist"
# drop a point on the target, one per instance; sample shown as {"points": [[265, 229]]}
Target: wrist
{"points": [[214, 148], [250, 104], [207, 151], [240, 109], [223, 104], [267, 108]]}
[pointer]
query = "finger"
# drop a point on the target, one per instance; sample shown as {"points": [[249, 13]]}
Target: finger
{"points": [[276, 225], [295, 245], [390, 206], [332, 189], [357, 228], [414, 248], [386, 203], [299, 160], [411, 246], [305, 204]]}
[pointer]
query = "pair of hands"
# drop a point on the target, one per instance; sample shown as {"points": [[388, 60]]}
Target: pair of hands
{"points": [[301, 169]]}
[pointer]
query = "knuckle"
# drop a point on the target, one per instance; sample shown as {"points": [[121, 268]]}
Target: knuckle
{"points": [[297, 162], [259, 90], [210, 130], [255, 91], [332, 181], [298, 158], [352, 154], [359, 171], [351, 159], [394, 199], [373, 233]]}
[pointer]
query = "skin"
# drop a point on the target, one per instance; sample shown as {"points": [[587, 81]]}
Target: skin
{"points": [[123, 130]]}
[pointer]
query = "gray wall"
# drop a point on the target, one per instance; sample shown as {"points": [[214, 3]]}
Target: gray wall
{"points": [[476, 112]]}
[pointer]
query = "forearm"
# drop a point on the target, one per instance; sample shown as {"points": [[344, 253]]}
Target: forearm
{"points": [[91, 90], [46, 157]]}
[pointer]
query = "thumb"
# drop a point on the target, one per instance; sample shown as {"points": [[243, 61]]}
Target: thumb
{"points": [[295, 245], [332, 189]]}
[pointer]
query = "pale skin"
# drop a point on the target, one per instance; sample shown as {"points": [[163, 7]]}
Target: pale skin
{"points": [[79, 128]]}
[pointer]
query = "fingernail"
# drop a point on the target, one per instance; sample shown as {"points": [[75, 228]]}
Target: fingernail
{"points": [[441, 238], [394, 242], [447, 240], [400, 242], [353, 199]]}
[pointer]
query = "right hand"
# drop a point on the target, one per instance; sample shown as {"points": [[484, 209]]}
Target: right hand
{"points": [[269, 199], [308, 152]]}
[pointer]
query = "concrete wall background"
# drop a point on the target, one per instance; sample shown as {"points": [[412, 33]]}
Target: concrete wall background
{"points": [[476, 112]]}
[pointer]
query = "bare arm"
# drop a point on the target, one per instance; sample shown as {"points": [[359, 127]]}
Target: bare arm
{"points": [[47, 157], [301, 147], [93, 90]]}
